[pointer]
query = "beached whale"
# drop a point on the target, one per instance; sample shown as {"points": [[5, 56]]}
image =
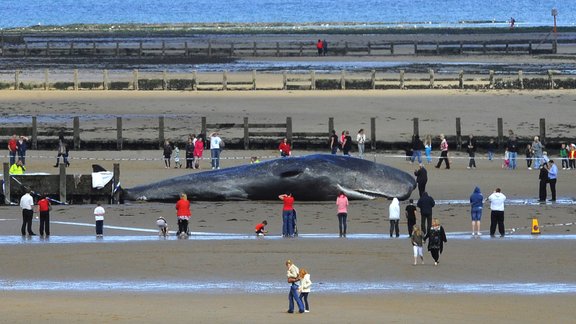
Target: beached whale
{"points": [[317, 177]]}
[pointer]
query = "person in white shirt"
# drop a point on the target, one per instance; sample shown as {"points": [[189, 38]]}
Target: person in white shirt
{"points": [[27, 205], [497, 199], [304, 290], [394, 217], [216, 144], [361, 140], [99, 218]]}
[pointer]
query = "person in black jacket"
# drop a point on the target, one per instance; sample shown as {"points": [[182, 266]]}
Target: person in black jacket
{"points": [[436, 237], [425, 203], [421, 178], [543, 176], [417, 147], [471, 152], [512, 146]]}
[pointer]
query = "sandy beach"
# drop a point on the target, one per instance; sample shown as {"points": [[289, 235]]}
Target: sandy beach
{"points": [[224, 274]]}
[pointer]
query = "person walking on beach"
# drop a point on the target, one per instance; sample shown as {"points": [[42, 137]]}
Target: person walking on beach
{"points": [[411, 216], [436, 237], [342, 204], [167, 154], [27, 205], [324, 47], [564, 156], [320, 47], [443, 153], [287, 215], [216, 144], [189, 153], [417, 147], [492, 146], [476, 204], [13, 148], [428, 149], [421, 178], [183, 214], [44, 208], [347, 144], [22, 148], [305, 285], [361, 140], [471, 152], [425, 203], [497, 199], [198, 151], [552, 178], [394, 217], [543, 177], [99, 219], [285, 150], [512, 147], [528, 154], [293, 275], [417, 239], [62, 152], [334, 144]]}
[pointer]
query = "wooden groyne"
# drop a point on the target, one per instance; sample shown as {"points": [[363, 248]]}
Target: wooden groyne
{"points": [[313, 80]]}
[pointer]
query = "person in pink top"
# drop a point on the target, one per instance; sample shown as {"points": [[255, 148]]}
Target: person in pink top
{"points": [[342, 203]]}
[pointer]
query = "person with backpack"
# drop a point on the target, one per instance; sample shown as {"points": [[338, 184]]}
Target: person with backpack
{"points": [[436, 238]]}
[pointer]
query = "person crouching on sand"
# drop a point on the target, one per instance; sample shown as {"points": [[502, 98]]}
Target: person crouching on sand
{"points": [[260, 229], [183, 213], [162, 226]]}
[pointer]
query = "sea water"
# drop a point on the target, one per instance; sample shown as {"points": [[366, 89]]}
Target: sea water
{"points": [[327, 13]]}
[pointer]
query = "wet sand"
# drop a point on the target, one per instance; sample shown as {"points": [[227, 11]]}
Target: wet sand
{"points": [[519, 261]]}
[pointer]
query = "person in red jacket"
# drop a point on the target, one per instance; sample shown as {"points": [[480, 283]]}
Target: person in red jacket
{"points": [[44, 209], [183, 213], [285, 148], [12, 148], [320, 47]]}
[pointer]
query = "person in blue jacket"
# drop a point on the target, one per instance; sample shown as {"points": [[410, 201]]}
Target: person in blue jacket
{"points": [[476, 202]]}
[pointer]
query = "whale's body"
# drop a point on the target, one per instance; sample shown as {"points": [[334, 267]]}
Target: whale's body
{"points": [[317, 177]]}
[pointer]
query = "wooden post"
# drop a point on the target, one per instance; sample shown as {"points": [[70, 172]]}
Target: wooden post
{"points": [[161, 130], [461, 79], [71, 50], [345, 48], [119, 139], [507, 46], [34, 132], [254, 50], [186, 52], [431, 78], [343, 80], [164, 80], [17, 80], [301, 49], [46, 83], [330, 125], [416, 126], [373, 132], [76, 85], [521, 79], [203, 126], [289, 129], [277, 49], [369, 48], [25, 48], [163, 48], [7, 182], [116, 181], [284, 80], [392, 48], [415, 48], [76, 133], [135, 80], [117, 49], [550, 79], [48, 48], [402, 80], [2, 43], [491, 79], [312, 80], [246, 138], [530, 47], [231, 49], [62, 186], [224, 80], [105, 76], [555, 46], [543, 130], [373, 79], [209, 48], [194, 80], [461, 48], [140, 50], [437, 48], [94, 48], [458, 133], [500, 131], [484, 47], [253, 79]]}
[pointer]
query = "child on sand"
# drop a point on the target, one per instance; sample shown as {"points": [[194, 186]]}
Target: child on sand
{"points": [[416, 240], [162, 226], [259, 229], [506, 163], [177, 163], [99, 218], [428, 149], [572, 157], [305, 284], [564, 156]]}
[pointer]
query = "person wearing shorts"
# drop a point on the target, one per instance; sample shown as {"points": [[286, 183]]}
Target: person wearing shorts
{"points": [[476, 202]]}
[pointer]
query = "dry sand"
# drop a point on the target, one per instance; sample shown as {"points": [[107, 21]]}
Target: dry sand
{"points": [[330, 260]]}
